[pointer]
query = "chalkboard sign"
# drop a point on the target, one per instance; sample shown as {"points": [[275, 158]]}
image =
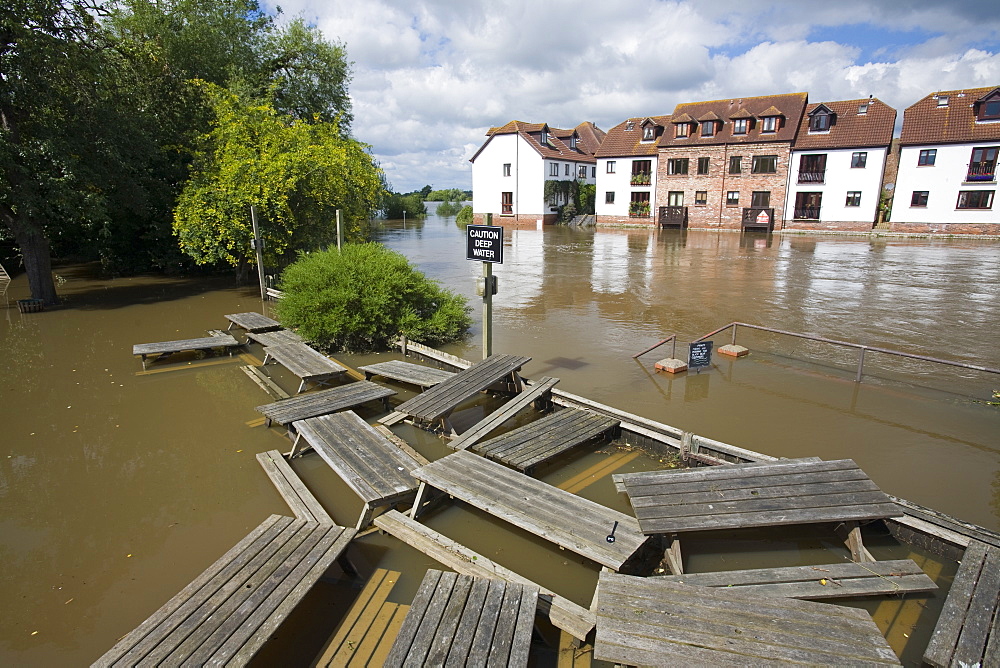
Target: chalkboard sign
{"points": [[699, 354]]}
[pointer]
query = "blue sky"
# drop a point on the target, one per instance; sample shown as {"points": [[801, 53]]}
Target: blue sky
{"points": [[431, 76]]}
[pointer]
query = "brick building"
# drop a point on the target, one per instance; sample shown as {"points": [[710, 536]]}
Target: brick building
{"points": [[722, 162]]}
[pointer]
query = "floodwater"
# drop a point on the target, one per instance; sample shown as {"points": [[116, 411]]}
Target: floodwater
{"points": [[118, 486]]}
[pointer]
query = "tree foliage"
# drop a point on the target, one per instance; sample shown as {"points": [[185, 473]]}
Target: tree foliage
{"points": [[449, 195], [363, 297], [296, 173], [464, 217], [395, 204]]}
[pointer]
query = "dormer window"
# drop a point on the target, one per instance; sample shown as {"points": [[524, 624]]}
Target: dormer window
{"points": [[820, 119], [708, 128], [543, 137], [681, 130], [769, 124], [988, 107], [740, 126], [648, 133], [943, 100], [572, 143]]}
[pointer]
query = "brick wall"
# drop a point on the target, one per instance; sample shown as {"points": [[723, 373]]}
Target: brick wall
{"points": [[624, 220], [716, 214], [984, 229], [519, 220], [840, 226]]}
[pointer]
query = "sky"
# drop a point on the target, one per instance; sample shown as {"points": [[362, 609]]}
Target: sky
{"points": [[430, 77]]}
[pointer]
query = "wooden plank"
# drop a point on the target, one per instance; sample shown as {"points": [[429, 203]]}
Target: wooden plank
{"points": [[353, 628], [563, 613], [407, 372], [252, 322], [265, 383], [303, 504], [568, 520], [303, 361], [201, 343], [501, 416], [445, 631], [313, 404], [804, 582], [275, 338]]}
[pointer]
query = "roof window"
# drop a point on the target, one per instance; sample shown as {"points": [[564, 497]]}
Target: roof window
{"points": [[942, 100]]}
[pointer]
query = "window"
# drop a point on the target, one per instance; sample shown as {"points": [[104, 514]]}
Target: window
{"points": [[681, 130], [567, 169], [506, 169], [609, 197], [853, 198], [593, 172], [769, 124], [812, 168], [611, 166], [677, 166], [642, 172], [975, 199], [760, 198], [703, 165], [701, 198], [989, 110], [982, 166], [942, 100], [648, 133], [507, 203], [638, 207], [735, 164], [572, 143], [543, 137], [740, 126], [554, 169], [859, 159], [675, 198], [819, 122], [733, 198], [927, 157], [764, 164], [862, 109], [807, 205], [708, 129], [919, 198], [582, 172]]}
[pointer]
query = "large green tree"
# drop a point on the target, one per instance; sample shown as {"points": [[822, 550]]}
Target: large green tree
{"points": [[296, 173]]}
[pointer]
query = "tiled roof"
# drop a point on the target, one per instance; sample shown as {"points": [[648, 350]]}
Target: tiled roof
{"points": [[622, 142], [927, 123], [683, 118], [558, 144], [790, 105], [849, 129], [742, 113], [710, 116]]}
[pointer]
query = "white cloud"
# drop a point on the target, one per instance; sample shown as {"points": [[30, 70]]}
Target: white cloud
{"points": [[430, 76]]}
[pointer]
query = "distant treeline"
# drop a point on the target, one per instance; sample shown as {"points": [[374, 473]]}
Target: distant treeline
{"points": [[412, 203]]}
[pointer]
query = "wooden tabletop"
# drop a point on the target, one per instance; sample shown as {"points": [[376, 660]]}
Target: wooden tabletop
{"points": [[253, 322], [275, 337], [322, 402], [756, 495], [445, 396], [303, 361], [202, 343]]}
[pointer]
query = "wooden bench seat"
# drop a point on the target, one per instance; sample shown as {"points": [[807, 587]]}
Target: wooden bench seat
{"points": [[164, 349], [874, 578], [229, 611], [968, 630], [310, 365], [407, 372], [275, 338], [537, 442], [504, 414], [372, 465], [299, 499], [570, 521], [252, 322], [313, 404], [461, 620]]}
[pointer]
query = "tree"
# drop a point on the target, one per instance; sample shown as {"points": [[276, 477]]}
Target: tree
{"points": [[395, 204], [296, 173], [425, 191]]}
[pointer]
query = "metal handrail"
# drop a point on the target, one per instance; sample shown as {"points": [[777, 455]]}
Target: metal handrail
{"points": [[860, 347], [673, 350]]}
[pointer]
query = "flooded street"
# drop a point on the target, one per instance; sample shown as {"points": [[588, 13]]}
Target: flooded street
{"points": [[118, 486]]}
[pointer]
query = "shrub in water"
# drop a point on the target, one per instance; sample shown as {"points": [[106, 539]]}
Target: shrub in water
{"points": [[363, 297], [464, 216]]}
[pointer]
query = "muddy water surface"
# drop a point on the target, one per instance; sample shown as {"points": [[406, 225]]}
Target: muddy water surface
{"points": [[118, 486]]}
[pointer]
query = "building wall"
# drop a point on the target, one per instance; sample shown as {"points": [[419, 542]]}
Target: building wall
{"points": [[943, 180], [619, 183], [715, 213], [840, 178], [525, 181]]}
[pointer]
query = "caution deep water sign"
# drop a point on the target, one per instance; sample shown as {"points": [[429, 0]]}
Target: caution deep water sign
{"points": [[484, 243]]}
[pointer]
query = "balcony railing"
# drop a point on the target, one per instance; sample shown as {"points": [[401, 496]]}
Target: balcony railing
{"points": [[807, 213], [982, 171], [673, 216], [760, 217], [641, 179], [812, 177]]}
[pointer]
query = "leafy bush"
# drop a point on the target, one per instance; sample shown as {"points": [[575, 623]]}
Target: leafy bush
{"points": [[363, 297], [448, 208], [464, 216], [395, 204]]}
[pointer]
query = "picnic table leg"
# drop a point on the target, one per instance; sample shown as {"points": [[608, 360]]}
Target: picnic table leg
{"points": [[859, 553], [295, 445], [673, 555], [366, 516], [419, 499], [301, 386], [143, 362]]}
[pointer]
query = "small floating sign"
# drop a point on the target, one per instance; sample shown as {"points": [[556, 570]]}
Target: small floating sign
{"points": [[484, 243], [699, 354]]}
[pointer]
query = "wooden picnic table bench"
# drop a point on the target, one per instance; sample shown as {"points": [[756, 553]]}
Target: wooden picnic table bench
{"points": [[532, 444], [275, 338], [321, 402], [462, 620], [967, 632], [568, 520], [407, 372], [229, 611], [437, 403], [372, 465], [252, 322], [164, 349], [300, 500], [536, 393], [653, 621], [308, 364], [757, 495]]}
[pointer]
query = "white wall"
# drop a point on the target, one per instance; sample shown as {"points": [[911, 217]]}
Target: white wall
{"points": [[619, 184], [525, 180], [943, 180], [841, 178]]}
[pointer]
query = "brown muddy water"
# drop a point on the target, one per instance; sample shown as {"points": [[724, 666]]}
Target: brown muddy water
{"points": [[118, 486]]}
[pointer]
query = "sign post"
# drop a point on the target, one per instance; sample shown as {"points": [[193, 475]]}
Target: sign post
{"points": [[258, 245], [485, 243]]}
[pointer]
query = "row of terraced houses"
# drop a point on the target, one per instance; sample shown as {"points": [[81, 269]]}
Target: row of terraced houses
{"points": [[775, 162]]}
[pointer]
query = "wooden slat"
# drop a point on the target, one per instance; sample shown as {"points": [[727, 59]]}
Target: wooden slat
{"points": [[547, 438], [444, 397], [202, 343], [252, 321], [563, 613], [275, 338], [304, 361], [265, 383], [502, 415], [407, 372], [299, 499], [655, 621], [312, 404], [565, 519], [360, 624]]}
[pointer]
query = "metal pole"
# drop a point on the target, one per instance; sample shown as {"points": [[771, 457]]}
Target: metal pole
{"points": [[259, 247], [340, 234], [861, 364], [734, 333], [487, 303]]}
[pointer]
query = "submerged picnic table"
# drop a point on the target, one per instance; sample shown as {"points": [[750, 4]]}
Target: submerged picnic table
{"points": [[252, 322], [165, 349], [407, 372], [275, 338], [229, 611], [757, 495], [312, 404], [308, 364], [437, 403], [652, 621]]}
